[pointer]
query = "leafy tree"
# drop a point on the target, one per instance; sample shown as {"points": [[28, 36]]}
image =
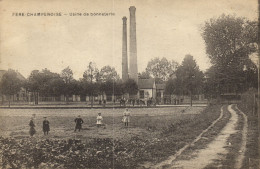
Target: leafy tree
{"points": [[56, 86], [118, 87], [34, 81], [10, 84], [130, 87], [229, 42], [92, 73], [108, 79], [214, 82], [161, 69], [173, 86], [107, 87], [189, 77], [91, 80], [67, 76], [170, 86], [74, 87], [108, 73], [45, 83], [144, 75], [49, 83], [34, 84], [88, 88]]}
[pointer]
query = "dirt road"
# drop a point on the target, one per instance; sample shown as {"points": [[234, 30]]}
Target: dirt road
{"points": [[215, 150]]}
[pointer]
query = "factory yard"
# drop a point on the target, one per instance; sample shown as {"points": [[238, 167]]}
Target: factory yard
{"points": [[153, 136]]}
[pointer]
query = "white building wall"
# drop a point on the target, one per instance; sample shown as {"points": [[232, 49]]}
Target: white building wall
{"points": [[148, 93]]}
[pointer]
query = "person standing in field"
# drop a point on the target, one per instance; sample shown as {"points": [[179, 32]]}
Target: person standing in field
{"points": [[126, 117], [32, 130], [46, 126], [78, 122], [99, 120]]}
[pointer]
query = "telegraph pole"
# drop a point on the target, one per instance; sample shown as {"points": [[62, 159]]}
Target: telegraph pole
{"points": [[191, 85], [91, 78], [258, 92]]}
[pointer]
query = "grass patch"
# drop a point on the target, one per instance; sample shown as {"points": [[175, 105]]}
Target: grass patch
{"points": [[252, 137], [149, 138]]}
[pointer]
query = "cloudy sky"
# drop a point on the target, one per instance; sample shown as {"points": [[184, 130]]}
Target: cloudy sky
{"points": [[165, 28]]}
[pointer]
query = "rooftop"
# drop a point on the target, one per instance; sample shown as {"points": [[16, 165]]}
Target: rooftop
{"points": [[146, 83], [19, 75]]}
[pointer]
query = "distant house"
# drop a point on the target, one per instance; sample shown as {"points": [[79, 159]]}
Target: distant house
{"points": [[21, 95], [147, 88], [19, 75]]}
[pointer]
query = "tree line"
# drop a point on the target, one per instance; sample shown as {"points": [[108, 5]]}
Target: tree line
{"points": [[229, 42], [45, 83], [93, 82]]}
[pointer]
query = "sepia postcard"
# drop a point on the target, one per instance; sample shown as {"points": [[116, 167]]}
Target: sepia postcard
{"points": [[129, 84]]}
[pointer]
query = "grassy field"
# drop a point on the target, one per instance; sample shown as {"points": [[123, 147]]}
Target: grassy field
{"points": [[14, 122], [153, 135], [251, 156]]}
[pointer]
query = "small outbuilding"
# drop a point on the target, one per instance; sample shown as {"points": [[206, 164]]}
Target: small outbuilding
{"points": [[146, 88]]}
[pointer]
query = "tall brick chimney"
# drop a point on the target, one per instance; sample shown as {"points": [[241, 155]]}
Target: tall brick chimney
{"points": [[133, 72], [124, 51]]}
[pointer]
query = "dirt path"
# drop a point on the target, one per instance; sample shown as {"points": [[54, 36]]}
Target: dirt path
{"points": [[172, 158], [215, 150]]}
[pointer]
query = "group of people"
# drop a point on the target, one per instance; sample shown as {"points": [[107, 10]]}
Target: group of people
{"points": [[78, 121], [149, 102], [45, 127]]}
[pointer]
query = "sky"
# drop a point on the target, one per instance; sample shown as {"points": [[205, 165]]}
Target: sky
{"points": [[164, 28]]}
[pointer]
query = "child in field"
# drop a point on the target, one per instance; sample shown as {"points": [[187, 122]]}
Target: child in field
{"points": [[78, 122], [32, 130], [126, 117], [46, 126], [99, 120]]}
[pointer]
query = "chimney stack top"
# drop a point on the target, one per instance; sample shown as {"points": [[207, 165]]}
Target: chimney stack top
{"points": [[132, 8]]}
